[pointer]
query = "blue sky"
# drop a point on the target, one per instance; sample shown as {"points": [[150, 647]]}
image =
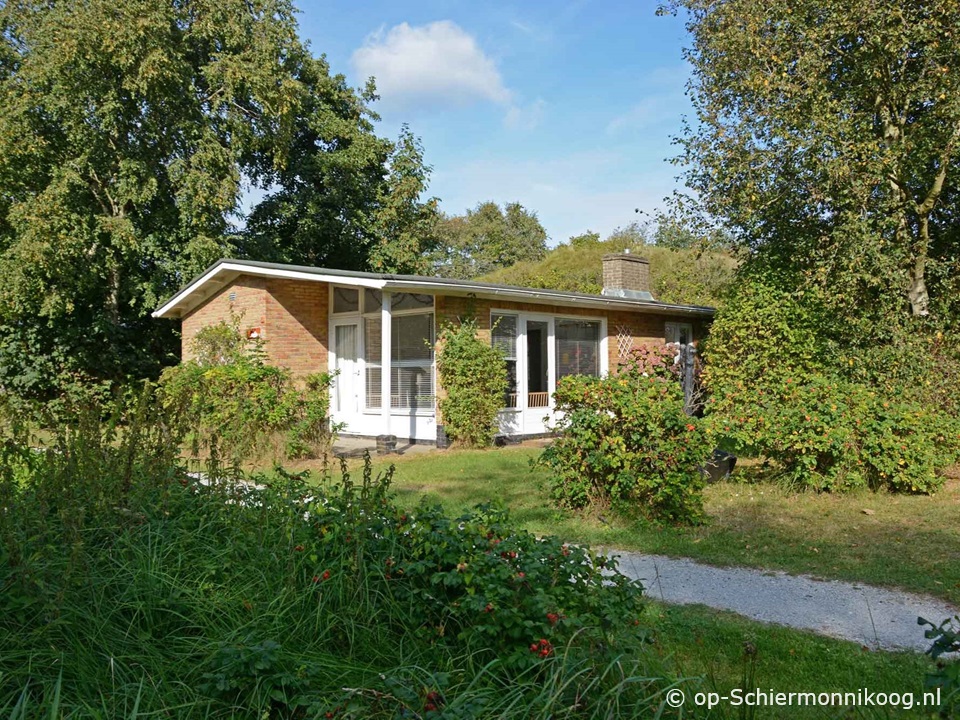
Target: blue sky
{"points": [[565, 107]]}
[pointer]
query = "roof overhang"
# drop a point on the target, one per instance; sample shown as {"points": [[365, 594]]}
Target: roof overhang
{"points": [[224, 272]]}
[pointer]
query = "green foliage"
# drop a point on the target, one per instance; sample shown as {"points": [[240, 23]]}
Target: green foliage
{"points": [[487, 238], [236, 406], [828, 433], [625, 439], [827, 137], [677, 276], [290, 600], [473, 375], [357, 207], [946, 641], [126, 130], [780, 389], [585, 239]]}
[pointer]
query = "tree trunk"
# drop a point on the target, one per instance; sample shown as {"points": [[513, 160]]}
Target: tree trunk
{"points": [[917, 292]]}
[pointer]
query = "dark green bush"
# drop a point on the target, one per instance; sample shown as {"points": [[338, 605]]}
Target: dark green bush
{"points": [[946, 645], [625, 439], [132, 588], [473, 375], [831, 418], [236, 406]]}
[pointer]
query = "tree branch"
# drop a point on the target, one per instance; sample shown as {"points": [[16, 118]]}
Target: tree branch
{"points": [[933, 195]]}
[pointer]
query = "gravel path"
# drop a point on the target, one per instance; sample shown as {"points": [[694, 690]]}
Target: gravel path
{"points": [[872, 616]]}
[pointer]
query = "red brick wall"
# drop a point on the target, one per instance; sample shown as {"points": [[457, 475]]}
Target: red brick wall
{"points": [[249, 305], [297, 325], [291, 315]]}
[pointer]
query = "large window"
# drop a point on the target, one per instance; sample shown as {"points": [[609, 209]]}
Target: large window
{"points": [[504, 337], [411, 351], [578, 347]]}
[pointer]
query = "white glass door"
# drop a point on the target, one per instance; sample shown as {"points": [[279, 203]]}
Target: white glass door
{"points": [[537, 372], [347, 387]]}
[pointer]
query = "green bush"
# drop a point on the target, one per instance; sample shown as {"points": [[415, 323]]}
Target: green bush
{"points": [[473, 375], [946, 645], [625, 439], [236, 406], [832, 434], [833, 419], [290, 600]]}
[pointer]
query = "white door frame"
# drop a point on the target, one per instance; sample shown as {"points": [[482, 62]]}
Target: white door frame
{"points": [[532, 417], [346, 392]]}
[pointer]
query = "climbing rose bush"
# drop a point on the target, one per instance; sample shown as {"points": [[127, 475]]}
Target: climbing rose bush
{"points": [[625, 440]]}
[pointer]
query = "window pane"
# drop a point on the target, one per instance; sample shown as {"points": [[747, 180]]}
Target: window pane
{"points": [[371, 354], [411, 386], [510, 396], [345, 300], [678, 333], [411, 301], [578, 348], [372, 300], [373, 386], [411, 338], [504, 334], [371, 340]]}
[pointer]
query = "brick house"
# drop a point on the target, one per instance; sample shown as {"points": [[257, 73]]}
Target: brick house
{"points": [[357, 323]]}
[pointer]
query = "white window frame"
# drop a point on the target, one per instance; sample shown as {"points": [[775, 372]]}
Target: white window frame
{"points": [[551, 319], [377, 313], [673, 330]]}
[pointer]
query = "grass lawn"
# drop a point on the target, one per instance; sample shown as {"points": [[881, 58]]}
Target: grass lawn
{"points": [[910, 542], [712, 644]]}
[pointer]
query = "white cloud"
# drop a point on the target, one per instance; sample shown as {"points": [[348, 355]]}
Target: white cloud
{"points": [[438, 62]]}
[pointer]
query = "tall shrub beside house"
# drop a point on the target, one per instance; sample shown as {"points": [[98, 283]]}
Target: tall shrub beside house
{"points": [[238, 407], [473, 375], [625, 440], [833, 417]]}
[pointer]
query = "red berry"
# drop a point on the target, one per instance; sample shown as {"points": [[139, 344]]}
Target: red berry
{"points": [[326, 575]]}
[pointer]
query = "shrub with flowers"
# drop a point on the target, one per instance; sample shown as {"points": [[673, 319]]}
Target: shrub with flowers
{"points": [[235, 405], [625, 439], [474, 581]]}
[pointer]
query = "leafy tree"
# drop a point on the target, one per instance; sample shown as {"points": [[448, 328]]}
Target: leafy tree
{"points": [[827, 135], [674, 232], [127, 132], [487, 238], [356, 208], [633, 235], [585, 239]]}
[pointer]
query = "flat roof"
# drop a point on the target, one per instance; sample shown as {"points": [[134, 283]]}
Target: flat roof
{"points": [[226, 270]]}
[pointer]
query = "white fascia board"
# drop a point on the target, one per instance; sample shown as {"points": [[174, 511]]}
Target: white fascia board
{"points": [[534, 295], [187, 297]]}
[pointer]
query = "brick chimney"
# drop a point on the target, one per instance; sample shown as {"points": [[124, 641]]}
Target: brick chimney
{"points": [[626, 276]]}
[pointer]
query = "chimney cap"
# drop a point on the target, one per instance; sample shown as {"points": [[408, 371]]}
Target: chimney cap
{"points": [[626, 255]]}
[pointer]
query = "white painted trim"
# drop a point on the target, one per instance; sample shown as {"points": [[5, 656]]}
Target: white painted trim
{"points": [[386, 367], [237, 269], [186, 299]]}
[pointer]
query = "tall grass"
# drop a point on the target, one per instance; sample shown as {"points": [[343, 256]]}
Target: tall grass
{"points": [[130, 588]]}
